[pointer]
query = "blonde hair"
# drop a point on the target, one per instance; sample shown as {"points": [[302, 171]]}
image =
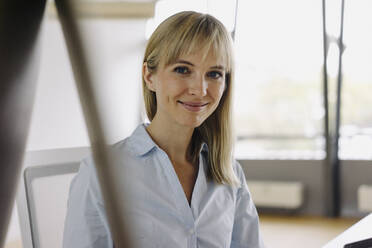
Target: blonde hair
{"points": [[182, 34]]}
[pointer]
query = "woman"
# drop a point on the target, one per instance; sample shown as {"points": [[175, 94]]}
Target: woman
{"points": [[185, 189]]}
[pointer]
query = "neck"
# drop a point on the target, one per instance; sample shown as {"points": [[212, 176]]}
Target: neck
{"points": [[173, 139]]}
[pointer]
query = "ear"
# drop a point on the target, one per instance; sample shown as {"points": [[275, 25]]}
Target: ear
{"points": [[148, 77]]}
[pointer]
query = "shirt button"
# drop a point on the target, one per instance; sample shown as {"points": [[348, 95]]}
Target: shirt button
{"points": [[191, 231]]}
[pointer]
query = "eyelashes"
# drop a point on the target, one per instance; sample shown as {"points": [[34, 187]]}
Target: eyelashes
{"points": [[215, 74], [184, 70]]}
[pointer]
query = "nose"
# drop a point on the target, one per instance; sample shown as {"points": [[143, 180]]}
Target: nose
{"points": [[198, 86]]}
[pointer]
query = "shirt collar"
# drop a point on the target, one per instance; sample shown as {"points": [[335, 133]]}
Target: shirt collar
{"points": [[142, 142]]}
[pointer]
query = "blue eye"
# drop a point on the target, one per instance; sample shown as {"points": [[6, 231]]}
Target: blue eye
{"points": [[182, 70], [214, 74]]}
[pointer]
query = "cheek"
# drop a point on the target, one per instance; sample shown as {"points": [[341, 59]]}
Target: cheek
{"points": [[169, 89], [173, 88], [217, 91]]}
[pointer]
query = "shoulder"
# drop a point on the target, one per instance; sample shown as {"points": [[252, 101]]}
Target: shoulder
{"points": [[238, 170], [86, 179], [137, 144], [124, 147], [237, 166], [121, 147]]}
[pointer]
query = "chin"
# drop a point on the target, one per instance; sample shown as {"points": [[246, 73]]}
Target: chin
{"points": [[192, 122]]}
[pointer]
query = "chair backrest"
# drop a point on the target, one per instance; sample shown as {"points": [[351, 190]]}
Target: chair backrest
{"points": [[47, 189]]}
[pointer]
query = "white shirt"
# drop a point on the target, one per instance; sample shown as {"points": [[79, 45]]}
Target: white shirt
{"points": [[219, 215]]}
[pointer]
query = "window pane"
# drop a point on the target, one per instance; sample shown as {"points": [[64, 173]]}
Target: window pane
{"points": [[356, 106], [279, 109]]}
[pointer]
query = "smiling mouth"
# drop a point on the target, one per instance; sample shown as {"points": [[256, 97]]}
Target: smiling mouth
{"points": [[193, 106]]}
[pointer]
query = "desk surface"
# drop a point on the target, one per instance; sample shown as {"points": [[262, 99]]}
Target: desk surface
{"points": [[359, 231]]}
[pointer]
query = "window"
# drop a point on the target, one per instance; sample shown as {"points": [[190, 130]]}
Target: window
{"points": [[279, 101], [356, 101]]}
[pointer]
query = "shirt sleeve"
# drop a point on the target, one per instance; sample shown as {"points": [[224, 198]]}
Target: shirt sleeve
{"points": [[85, 223], [246, 233]]}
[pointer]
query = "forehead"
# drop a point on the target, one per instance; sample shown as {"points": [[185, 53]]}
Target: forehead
{"points": [[201, 56], [200, 59]]}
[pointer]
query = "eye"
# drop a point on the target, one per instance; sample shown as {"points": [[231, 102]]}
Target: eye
{"points": [[215, 74], [181, 70]]}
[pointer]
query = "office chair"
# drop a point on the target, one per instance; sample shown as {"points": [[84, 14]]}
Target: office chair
{"points": [[47, 189]]}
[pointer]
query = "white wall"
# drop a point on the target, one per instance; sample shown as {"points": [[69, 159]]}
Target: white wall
{"points": [[117, 50]]}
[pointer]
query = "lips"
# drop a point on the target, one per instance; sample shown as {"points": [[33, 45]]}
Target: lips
{"points": [[193, 106]]}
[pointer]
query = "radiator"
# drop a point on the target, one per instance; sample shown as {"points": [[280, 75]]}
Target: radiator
{"points": [[365, 198], [277, 194]]}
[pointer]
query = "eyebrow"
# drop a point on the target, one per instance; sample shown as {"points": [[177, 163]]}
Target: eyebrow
{"points": [[180, 61]]}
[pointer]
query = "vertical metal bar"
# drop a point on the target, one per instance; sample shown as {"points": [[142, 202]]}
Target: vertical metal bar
{"points": [[327, 161], [233, 33], [19, 63], [336, 162], [103, 161]]}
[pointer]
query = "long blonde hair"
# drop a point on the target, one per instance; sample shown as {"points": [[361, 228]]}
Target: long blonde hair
{"points": [[182, 34]]}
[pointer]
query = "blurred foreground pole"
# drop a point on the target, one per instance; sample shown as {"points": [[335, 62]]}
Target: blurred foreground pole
{"points": [[19, 63], [104, 163]]}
